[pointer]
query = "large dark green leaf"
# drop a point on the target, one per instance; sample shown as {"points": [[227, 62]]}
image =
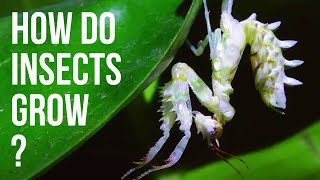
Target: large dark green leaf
{"points": [[148, 34]]}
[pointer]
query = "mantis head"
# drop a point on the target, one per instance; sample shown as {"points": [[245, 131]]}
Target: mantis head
{"points": [[210, 128]]}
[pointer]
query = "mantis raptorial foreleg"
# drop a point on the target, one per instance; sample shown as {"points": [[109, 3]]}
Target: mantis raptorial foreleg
{"points": [[178, 96], [168, 119], [177, 105]]}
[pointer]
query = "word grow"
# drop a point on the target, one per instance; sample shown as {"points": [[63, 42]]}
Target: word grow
{"points": [[35, 106]]}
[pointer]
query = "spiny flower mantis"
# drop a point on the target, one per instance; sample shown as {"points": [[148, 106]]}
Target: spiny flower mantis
{"points": [[227, 44]]}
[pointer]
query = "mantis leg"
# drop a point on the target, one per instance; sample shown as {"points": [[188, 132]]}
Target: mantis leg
{"points": [[177, 93], [215, 104], [168, 118], [201, 45], [211, 38]]}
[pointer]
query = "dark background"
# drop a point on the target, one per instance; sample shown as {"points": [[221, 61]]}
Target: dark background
{"points": [[135, 129]]}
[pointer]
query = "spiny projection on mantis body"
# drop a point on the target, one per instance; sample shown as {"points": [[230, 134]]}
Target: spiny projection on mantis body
{"points": [[227, 44]]}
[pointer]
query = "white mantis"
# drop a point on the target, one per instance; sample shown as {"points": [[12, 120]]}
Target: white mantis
{"points": [[226, 44]]}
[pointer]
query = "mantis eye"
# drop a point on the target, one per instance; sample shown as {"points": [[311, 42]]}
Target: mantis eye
{"points": [[213, 132], [216, 132], [213, 136]]}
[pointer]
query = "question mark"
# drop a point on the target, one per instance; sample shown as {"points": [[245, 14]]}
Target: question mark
{"points": [[23, 145]]}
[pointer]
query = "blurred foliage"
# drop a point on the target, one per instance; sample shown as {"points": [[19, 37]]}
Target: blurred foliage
{"points": [[295, 158], [149, 93]]}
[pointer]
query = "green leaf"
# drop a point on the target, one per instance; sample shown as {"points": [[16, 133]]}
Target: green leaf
{"points": [[295, 158], [148, 34]]}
